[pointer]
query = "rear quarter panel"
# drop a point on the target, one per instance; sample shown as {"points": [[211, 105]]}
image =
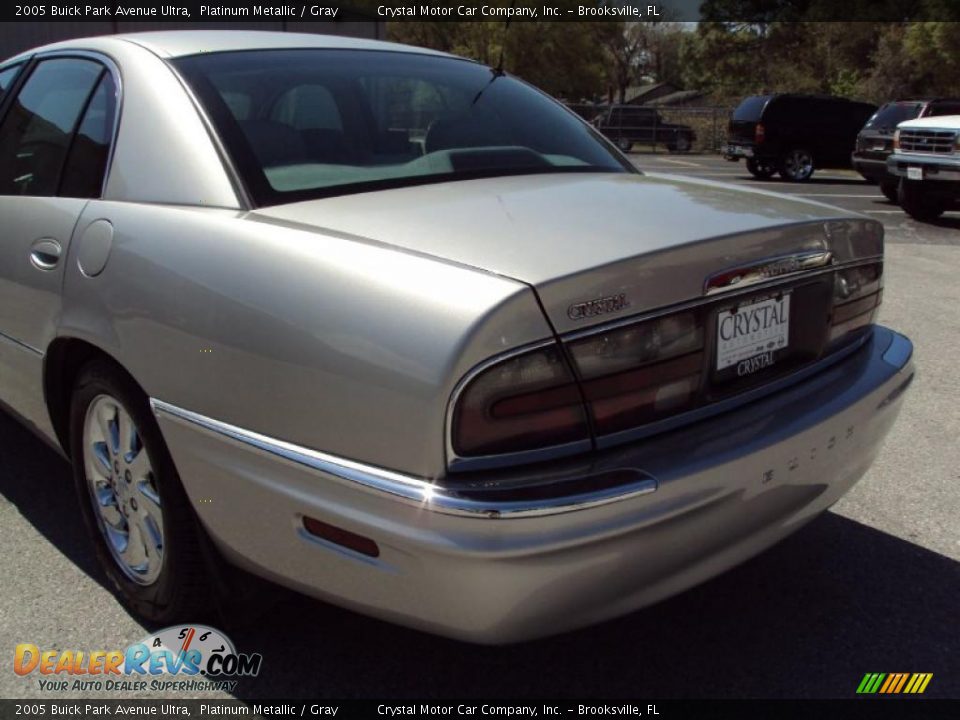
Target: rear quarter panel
{"points": [[329, 342]]}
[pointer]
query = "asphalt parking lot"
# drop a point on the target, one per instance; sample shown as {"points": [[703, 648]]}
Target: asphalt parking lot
{"points": [[872, 586]]}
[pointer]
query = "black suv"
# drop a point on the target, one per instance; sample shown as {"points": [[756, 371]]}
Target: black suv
{"points": [[794, 134], [629, 124], [875, 141]]}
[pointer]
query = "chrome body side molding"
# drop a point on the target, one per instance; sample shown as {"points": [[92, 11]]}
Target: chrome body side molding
{"points": [[412, 489]]}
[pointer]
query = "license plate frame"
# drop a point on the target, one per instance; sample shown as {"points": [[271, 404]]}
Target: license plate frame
{"points": [[751, 335]]}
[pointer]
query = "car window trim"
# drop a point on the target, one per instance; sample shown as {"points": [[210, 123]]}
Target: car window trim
{"points": [[26, 67]]}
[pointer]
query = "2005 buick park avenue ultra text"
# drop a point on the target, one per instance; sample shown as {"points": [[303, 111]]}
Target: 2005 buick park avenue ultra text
{"points": [[399, 331]]}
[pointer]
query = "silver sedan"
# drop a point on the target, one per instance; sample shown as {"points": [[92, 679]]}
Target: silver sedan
{"points": [[397, 330]]}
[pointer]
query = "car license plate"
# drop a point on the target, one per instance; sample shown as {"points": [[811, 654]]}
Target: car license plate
{"points": [[749, 335], [915, 173]]}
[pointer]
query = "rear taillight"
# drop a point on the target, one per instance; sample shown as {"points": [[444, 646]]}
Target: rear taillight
{"points": [[526, 402], [759, 133], [856, 299], [639, 373], [633, 375], [896, 140]]}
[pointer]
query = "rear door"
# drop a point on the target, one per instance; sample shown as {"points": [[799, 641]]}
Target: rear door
{"points": [[54, 142]]}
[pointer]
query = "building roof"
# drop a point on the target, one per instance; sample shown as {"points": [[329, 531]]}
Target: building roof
{"points": [[678, 98], [641, 93]]}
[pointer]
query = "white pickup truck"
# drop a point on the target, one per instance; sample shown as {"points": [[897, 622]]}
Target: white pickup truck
{"points": [[926, 158]]}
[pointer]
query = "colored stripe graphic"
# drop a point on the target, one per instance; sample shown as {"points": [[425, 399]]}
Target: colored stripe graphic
{"points": [[894, 683]]}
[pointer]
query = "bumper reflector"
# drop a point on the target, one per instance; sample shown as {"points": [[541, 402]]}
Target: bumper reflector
{"points": [[339, 536]]}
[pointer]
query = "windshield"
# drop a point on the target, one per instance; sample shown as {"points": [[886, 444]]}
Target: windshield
{"points": [[313, 123], [750, 109], [891, 114]]}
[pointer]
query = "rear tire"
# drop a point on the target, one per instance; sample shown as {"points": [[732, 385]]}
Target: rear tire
{"points": [[891, 190], [917, 204], [147, 538], [796, 165], [761, 170], [680, 145]]}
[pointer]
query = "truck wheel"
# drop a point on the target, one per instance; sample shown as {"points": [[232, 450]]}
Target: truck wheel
{"points": [[624, 145], [918, 204], [796, 165], [891, 190], [146, 536], [681, 144], [761, 169]]}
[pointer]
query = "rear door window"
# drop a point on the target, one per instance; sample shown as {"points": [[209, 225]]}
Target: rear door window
{"points": [[87, 160], [38, 129]]}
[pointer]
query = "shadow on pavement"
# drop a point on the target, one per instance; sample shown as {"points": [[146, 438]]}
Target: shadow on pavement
{"points": [[39, 482], [806, 619]]}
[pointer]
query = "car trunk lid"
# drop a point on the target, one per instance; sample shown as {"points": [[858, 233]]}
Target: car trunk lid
{"points": [[595, 247]]}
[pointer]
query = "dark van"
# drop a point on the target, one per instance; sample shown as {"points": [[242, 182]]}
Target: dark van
{"points": [[794, 134], [875, 141]]}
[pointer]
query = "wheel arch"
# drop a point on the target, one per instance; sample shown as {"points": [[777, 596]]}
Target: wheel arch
{"points": [[62, 363]]}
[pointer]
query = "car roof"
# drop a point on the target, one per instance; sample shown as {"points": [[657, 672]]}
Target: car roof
{"points": [[179, 43], [815, 96]]}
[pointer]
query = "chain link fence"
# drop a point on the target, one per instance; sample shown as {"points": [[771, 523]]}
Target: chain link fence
{"points": [[709, 123]]}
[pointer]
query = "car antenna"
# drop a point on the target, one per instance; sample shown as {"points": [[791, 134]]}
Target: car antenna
{"points": [[503, 41], [498, 70]]}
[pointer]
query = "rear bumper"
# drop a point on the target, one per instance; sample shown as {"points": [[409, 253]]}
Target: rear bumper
{"points": [[704, 499], [735, 150]]}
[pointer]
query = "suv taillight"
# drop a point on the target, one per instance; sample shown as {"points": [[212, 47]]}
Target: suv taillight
{"points": [[522, 403], [896, 139], [759, 133]]}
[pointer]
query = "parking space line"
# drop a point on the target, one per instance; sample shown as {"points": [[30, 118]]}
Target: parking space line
{"points": [[685, 163], [695, 175], [832, 195]]}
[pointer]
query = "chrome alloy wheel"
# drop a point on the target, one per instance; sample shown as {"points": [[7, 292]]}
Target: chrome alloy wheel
{"points": [[123, 490], [798, 164]]}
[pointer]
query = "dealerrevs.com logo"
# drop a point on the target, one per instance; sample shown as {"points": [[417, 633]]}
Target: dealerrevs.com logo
{"points": [[185, 658]]}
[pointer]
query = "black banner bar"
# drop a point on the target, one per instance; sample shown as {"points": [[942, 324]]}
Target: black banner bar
{"points": [[741, 11]]}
